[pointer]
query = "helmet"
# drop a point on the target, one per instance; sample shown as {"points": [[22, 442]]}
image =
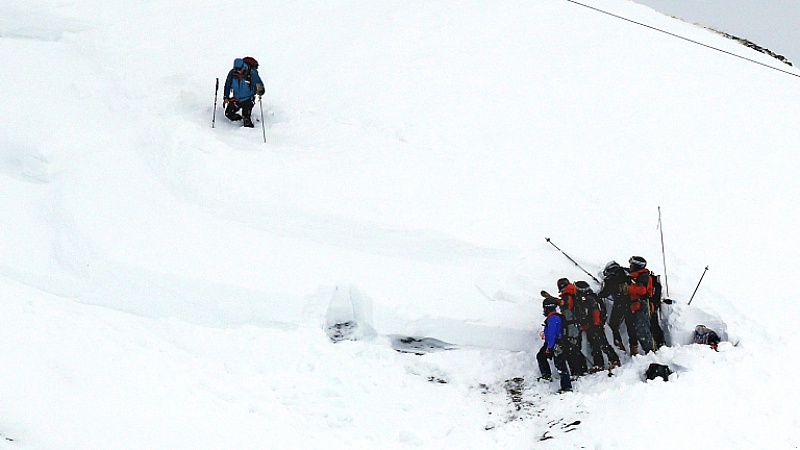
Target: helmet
{"points": [[583, 287], [562, 283], [637, 263], [549, 304], [611, 267]]}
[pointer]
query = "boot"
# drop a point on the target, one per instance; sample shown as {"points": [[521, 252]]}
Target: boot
{"points": [[619, 344], [634, 349], [248, 123]]}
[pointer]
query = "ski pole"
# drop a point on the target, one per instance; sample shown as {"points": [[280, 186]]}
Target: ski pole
{"points": [[698, 284], [573, 261], [214, 115], [263, 129], [663, 253]]}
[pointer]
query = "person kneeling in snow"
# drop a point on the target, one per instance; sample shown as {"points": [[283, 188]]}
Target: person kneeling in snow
{"points": [[553, 333], [241, 87], [707, 336]]}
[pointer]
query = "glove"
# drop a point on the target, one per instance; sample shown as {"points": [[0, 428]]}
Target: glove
{"points": [[557, 350], [260, 89]]}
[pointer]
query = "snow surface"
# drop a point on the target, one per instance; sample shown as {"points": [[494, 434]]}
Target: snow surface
{"points": [[169, 285]]}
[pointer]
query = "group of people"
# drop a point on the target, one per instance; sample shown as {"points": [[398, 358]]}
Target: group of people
{"points": [[635, 293]]}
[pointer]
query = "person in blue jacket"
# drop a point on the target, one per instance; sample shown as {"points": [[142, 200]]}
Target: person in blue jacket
{"points": [[241, 87], [551, 349]]}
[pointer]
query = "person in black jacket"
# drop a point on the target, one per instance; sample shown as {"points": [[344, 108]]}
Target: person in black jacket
{"points": [[594, 325], [615, 280]]}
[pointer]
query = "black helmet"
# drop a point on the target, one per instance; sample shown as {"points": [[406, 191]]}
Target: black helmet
{"points": [[562, 283], [583, 287], [637, 263], [549, 304]]}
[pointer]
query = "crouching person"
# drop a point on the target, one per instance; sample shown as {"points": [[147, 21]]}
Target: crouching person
{"points": [[551, 349]]}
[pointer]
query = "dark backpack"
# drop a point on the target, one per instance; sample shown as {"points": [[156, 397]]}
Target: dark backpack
{"points": [[655, 299], [586, 301], [601, 305], [658, 370], [569, 325]]}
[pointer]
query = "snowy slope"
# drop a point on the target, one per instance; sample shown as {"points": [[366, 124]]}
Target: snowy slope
{"points": [[166, 284]]}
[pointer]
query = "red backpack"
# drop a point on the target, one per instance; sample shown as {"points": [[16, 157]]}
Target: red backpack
{"points": [[250, 61]]}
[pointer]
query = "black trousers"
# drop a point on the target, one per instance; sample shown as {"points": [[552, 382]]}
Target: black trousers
{"points": [[231, 112], [619, 312], [599, 344], [574, 355], [560, 362]]}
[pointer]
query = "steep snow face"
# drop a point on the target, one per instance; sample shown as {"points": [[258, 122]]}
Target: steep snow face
{"points": [[160, 276]]}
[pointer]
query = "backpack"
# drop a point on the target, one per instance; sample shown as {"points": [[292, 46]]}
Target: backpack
{"points": [[601, 305], [658, 370], [569, 325], [250, 61], [588, 304], [655, 298], [586, 301]]}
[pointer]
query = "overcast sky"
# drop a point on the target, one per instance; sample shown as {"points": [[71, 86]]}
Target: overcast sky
{"points": [[773, 24]]}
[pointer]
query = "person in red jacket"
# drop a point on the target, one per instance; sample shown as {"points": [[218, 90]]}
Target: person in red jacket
{"points": [[572, 344], [639, 291], [594, 325]]}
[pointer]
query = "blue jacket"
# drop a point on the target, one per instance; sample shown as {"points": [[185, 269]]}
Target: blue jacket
{"points": [[552, 329], [242, 84]]}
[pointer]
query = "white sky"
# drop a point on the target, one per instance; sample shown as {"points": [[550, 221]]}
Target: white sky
{"points": [[773, 24]]}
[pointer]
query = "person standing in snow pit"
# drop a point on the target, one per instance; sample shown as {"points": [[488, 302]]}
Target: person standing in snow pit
{"points": [[552, 348], [614, 278], [641, 292], [241, 86]]}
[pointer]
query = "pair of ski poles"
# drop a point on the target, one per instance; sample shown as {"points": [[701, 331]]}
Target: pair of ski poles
{"points": [[260, 107]]}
